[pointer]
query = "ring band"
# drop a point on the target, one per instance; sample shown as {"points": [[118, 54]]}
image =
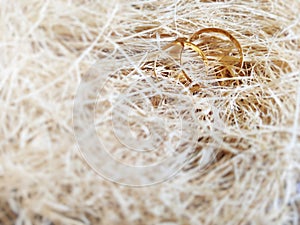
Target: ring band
{"points": [[224, 32], [185, 43]]}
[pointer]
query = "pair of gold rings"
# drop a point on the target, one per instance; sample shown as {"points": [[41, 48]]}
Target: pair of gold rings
{"points": [[218, 58]]}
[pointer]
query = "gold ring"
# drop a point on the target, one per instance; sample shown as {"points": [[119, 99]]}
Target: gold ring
{"points": [[185, 43], [224, 32]]}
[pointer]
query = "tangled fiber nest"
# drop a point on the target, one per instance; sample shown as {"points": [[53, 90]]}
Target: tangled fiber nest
{"points": [[246, 162]]}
